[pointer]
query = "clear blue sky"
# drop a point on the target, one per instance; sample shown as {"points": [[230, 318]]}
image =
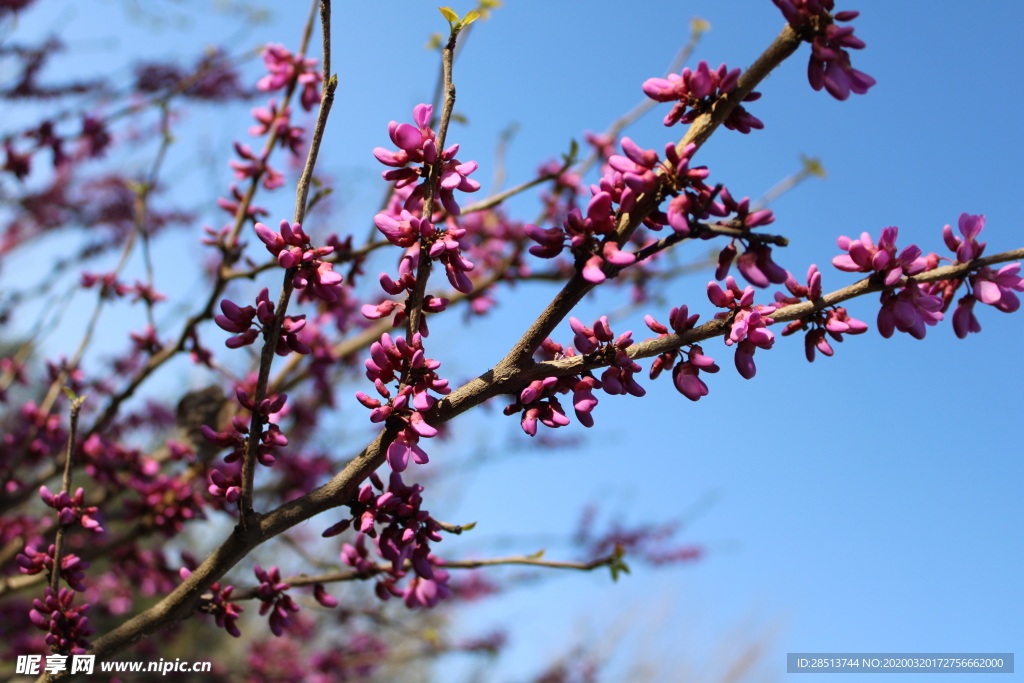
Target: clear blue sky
{"points": [[867, 502]]}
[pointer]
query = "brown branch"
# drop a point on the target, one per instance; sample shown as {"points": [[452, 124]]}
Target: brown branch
{"points": [[414, 302], [698, 133], [272, 335], [303, 580], [58, 546]]}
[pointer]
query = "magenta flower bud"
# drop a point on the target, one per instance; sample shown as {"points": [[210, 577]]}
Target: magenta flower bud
{"points": [[592, 270], [745, 361]]}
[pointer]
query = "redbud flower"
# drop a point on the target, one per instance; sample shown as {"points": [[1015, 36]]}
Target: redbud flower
{"points": [[271, 594], [909, 311], [67, 626], [964, 321], [252, 166], [72, 568], [230, 489], [294, 249], [696, 92], [71, 509], [219, 604], [996, 288], [829, 66], [749, 323], [686, 375], [967, 248], [418, 144], [864, 256], [282, 66]]}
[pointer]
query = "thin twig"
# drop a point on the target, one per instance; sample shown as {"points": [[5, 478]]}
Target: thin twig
{"points": [[272, 334], [58, 545], [302, 580], [414, 302]]}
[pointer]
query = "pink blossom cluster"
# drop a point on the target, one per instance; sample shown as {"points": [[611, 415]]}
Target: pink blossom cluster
{"points": [[865, 256], [166, 503], [912, 308], [996, 288], [833, 322], [538, 402], [72, 567], [91, 141], [72, 509], [617, 378], [231, 206], [391, 359], [830, 62], [406, 535], [269, 118], [293, 248], [592, 238], [685, 375], [696, 92], [748, 328], [284, 69], [271, 438], [909, 310], [67, 626], [225, 613], [256, 166], [406, 282], [418, 145], [273, 598], [241, 320], [405, 230]]}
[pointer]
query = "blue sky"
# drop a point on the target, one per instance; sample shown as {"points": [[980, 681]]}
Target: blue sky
{"points": [[867, 502]]}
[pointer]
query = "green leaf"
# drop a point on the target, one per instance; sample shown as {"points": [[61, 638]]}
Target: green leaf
{"points": [[449, 14], [469, 527], [813, 166], [470, 18], [70, 394], [574, 150], [537, 555], [699, 26], [616, 567]]}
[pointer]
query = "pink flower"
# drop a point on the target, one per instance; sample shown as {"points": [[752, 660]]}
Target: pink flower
{"points": [[697, 91], [996, 288], [418, 144], [864, 257], [273, 599], [830, 62], [283, 66], [909, 311], [294, 249], [967, 248], [964, 321]]}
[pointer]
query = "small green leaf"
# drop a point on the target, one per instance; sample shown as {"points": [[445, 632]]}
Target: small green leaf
{"points": [[70, 394], [469, 527], [699, 26], [574, 151], [472, 16], [484, 7], [537, 555], [616, 567], [449, 14], [813, 166], [435, 42]]}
